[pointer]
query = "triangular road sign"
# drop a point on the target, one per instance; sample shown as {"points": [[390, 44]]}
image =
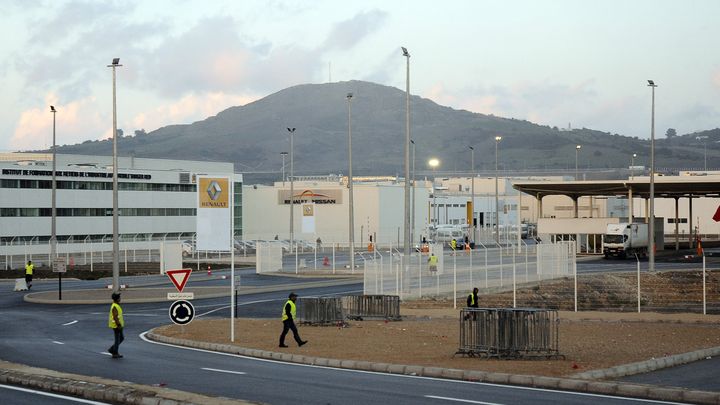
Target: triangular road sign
{"points": [[179, 277]]}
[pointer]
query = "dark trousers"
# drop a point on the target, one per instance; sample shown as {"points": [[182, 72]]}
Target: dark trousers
{"points": [[28, 280], [119, 337], [289, 324]]}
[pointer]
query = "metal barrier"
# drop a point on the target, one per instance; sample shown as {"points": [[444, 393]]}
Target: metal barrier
{"points": [[320, 311], [359, 307], [509, 333]]}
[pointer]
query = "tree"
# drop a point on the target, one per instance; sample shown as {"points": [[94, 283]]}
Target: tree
{"points": [[671, 133]]}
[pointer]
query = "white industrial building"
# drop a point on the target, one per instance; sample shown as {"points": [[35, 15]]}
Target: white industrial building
{"points": [[157, 200], [322, 207]]}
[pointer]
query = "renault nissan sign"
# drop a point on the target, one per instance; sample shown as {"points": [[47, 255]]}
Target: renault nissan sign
{"points": [[214, 215]]}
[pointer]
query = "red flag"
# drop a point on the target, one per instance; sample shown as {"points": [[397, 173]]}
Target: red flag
{"points": [[716, 217]]}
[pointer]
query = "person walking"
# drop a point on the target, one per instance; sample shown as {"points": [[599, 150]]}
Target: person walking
{"points": [[116, 323], [29, 267], [288, 319], [433, 261], [453, 245]]}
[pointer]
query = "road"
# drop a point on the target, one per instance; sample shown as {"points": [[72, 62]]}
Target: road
{"points": [[74, 338]]}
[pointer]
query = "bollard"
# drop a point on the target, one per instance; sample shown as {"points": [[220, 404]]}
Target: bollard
{"points": [[209, 271], [326, 261]]}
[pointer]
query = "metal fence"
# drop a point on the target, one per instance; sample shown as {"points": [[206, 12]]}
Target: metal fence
{"points": [[499, 268], [320, 310], [509, 333], [360, 307]]}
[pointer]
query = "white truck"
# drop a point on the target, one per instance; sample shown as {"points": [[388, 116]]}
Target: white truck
{"points": [[626, 239]]}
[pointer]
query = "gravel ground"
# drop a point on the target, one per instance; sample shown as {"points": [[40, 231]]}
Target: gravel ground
{"points": [[428, 336]]}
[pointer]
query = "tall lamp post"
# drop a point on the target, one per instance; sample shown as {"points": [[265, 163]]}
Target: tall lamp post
{"points": [[472, 192], [283, 154], [292, 189], [632, 166], [434, 163], [577, 150], [412, 195], [115, 220], [406, 54], [497, 203], [53, 222], [351, 225], [651, 227], [704, 139]]}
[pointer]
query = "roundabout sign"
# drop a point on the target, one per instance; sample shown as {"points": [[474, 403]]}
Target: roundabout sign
{"points": [[182, 312]]}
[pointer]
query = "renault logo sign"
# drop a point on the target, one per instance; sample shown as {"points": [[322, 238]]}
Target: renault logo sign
{"points": [[214, 190]]}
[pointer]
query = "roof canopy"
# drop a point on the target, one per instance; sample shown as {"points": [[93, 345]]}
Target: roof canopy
{"points": [[665, 187]]}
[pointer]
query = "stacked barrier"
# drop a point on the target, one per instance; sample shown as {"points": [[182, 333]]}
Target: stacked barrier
{"points": [[359, 307], [509, 333], [320, 311]]}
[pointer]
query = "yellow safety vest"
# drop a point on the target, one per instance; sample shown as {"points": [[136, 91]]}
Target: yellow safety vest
{"points": [[29, 269], [472, 299], [111, 320], [292, 310], [453, 244], [433, 260]]}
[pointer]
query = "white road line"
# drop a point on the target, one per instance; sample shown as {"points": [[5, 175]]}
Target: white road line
{"points": [[47, 394], [58, 343], [105, 353], [70, 323], [467, 401], [222, 371], [444, 380]]}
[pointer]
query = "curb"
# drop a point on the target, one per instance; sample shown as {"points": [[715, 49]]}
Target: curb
{"points": [[570, 384], [101, 389], [648, 365]]}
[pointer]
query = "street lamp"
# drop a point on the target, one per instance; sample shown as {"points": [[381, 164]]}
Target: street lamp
{"points": [[497, 204], [292, 189], [412, 196], [351, 227], [406, 54], [632, 166], [651, 228], [53, 222], [472, 192], [703, 139], [283, 154], [434, 163], [115, 220], [577, 150]]}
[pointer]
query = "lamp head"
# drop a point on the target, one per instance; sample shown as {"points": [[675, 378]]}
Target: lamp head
{"points": [[291, 130], [405, 51], [578, 147], [471, 148], [349, 96], [116, 61], [52, 108], [434, 162], [634, 155], [651, 83], [498, 138]]}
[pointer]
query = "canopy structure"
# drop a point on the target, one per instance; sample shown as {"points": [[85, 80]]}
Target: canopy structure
{"points": [[665, 187]]}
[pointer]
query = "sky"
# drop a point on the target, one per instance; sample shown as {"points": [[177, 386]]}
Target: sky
{"points": [[556, 63]]}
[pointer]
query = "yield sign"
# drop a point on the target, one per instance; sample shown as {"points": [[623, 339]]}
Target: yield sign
{"points": [[179, 277]]}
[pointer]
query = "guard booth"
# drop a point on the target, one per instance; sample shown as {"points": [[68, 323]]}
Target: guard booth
{"points": [[509, 333]]}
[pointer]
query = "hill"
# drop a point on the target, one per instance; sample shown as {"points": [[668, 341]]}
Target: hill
{"points": [[252, 137]]}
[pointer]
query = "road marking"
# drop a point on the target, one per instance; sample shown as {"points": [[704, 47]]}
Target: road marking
{"points": [[70, 323], [105, 353], [47, 394], [462, 400], [444, 380], [222, 371], [58, 343]]}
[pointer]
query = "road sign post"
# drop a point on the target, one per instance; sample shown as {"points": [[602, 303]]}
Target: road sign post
{"points": [[58, 266]]}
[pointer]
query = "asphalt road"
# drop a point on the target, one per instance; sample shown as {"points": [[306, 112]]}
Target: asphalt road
{"points": [[12, 395], [74, 338]]}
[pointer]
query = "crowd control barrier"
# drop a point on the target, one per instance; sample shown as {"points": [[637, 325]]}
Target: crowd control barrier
{"points": [[359, 307], [509, 332]]}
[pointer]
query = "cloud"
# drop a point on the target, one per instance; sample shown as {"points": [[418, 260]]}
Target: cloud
{"points": [[76, 121], [188, 109], [346, 34]]}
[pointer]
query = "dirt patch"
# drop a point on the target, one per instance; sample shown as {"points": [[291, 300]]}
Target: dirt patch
{"points": [[428, 336]]}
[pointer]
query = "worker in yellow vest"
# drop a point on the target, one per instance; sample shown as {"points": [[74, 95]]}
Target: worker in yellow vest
{"points": [[433, 262], [116, 323], [288, 318], [29, 267], [472, 299]]}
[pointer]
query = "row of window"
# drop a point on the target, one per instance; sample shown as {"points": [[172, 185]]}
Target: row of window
{"points": [[95, 185], [97, 238], [98, 212]]}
